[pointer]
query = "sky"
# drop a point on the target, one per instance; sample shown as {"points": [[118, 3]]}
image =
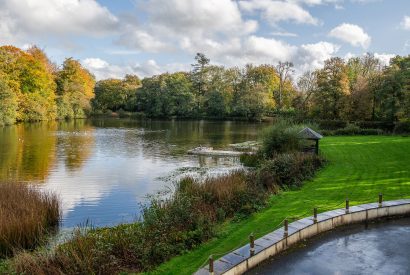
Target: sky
{"points": [[148, 37]]}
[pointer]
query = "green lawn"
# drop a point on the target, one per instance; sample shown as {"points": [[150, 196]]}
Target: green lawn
{"points": [[359, 168]]}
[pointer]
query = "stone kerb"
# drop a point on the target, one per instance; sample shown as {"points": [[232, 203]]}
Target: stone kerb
{"points": [[241, 260]]}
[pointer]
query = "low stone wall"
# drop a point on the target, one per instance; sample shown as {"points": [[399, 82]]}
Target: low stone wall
{"points": [[241, 260]]}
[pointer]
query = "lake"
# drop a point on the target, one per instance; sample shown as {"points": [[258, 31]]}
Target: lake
{"points": [[103, 169]]}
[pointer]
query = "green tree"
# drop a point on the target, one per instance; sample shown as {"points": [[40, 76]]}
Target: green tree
{"points": [[253, 98], [330, 98], [218, 98], [199, 78]]}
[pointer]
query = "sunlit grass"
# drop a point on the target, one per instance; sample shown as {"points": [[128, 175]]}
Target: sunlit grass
{"points": [[359, 168]]}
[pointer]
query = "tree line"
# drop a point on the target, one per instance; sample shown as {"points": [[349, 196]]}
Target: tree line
{"points": [[361, 88], [32, 88]]}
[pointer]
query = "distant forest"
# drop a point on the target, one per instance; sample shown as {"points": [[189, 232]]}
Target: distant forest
{"points": [[32, 88]]}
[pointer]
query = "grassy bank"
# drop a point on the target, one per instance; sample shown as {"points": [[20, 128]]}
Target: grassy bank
{"points": [[26, 215], [171, 225], [359, 168]]}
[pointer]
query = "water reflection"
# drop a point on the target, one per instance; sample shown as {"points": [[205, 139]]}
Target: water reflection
{"points": [[27, 151], [103, 169], [76, 142]]}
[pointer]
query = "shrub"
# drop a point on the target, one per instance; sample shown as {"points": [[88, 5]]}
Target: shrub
{"points": [[170, 226], [26, 215], [402, 127], [288, 170], [371, 132], [352, 130], [386, 126], [250, 160], [331, 124], [280, 138], [172, 223]]}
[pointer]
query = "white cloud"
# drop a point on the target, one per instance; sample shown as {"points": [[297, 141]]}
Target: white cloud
{"points": [[265, 50], [173, 24], [384, 58], [284, 34], [351, 34], [276, 11], [149, 67], [405, 23], [23, 19], [142, 41], [103, 69], [312, 56], [197, 16], [316, 2], [365, 1]]}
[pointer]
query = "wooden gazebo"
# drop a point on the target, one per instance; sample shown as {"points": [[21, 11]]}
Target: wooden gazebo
{"points": [[311, 135]]}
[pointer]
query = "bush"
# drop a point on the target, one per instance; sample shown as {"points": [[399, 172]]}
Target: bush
{"points": [[170, 226], [280, 138], [250, 160], [385, 126], [352, 130], [288, 170], [402, 127], [349, 130], [331, 124], [371, 132], [26, 215]]}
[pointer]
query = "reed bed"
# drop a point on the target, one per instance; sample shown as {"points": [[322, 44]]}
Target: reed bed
{"points": [[171, 225], [26, 216]]}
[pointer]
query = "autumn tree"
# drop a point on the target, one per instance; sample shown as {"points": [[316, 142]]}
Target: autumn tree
{"points": [[8, 104], [75, 89], [29, 78]]}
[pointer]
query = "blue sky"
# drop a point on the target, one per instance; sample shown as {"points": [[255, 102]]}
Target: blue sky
{"points": [[146, 37]]}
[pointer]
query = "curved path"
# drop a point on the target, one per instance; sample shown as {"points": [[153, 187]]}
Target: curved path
{"points": [[383, 248], [247, 257]]}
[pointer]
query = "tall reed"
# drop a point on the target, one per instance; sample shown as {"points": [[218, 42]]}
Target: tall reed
{"points": [[26, 215]]}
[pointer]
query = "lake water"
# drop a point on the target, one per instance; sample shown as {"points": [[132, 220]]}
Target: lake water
{"points": [[103, 169]]}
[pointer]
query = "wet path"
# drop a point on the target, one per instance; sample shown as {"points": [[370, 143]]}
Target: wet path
{"points": [[383, 248]]}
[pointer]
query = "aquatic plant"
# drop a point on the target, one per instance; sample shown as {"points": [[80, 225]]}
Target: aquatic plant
{"points": [[26, 216]]}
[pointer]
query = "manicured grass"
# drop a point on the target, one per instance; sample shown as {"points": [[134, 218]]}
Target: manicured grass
{"points": [[359, 168]]}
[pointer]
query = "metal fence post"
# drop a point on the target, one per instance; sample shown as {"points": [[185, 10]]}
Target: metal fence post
{"points": [[252, 244], [211, 265], [315, 215], [347, 205], [380, 200], [285, 233]]}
